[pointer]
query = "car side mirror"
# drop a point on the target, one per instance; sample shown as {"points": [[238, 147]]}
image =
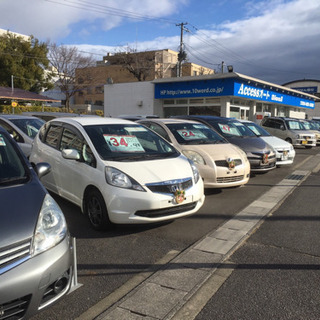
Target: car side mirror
{"points": [[42, 168], [70, 154]]}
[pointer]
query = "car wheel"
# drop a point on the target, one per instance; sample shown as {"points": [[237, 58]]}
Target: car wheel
{"points": [[289, 140], [96, 210]]}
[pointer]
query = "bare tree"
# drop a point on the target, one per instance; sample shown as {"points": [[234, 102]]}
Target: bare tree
{"points": [[65, 60], [140, 64]]}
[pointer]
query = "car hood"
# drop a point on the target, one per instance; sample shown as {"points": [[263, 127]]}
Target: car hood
{"points": [[250, 144], [20, 207], [215, 151], [152, 171], [276, 142]]}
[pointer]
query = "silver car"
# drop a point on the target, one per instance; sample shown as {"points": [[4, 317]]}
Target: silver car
{"points": [[36, 250], [22, 128]]}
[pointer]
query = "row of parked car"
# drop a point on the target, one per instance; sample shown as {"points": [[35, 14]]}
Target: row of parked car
{"points": [[117, 171]]}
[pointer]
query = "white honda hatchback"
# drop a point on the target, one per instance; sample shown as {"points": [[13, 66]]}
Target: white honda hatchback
{"points": [[117, 171]]}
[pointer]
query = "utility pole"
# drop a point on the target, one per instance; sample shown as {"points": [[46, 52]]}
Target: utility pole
{"points": [[182, 54]]}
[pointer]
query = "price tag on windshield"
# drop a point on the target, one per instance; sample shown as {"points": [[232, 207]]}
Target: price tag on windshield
{"points": [[193, 134], [123, 143]]}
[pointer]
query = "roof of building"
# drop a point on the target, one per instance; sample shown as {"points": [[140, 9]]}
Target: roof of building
{"points": [[22, 95]]}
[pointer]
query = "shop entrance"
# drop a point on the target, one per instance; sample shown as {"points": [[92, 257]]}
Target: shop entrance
{"points": [[239, 112]]}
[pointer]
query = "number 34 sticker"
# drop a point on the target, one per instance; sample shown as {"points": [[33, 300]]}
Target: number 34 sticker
{"points": [[123, 143]]}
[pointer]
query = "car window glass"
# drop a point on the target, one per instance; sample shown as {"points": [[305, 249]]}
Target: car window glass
{"points": [[128, 142], [194, 133], [158, 129], [14, 134], [12, 169], [70, 140], [29, 126], [52, 136], [295, 125]]}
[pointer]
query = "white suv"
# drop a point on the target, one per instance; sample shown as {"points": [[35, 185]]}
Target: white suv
{"points": [[289, 129]]}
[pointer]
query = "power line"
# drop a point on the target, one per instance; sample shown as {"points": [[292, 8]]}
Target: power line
{"points": [[98, 8]]}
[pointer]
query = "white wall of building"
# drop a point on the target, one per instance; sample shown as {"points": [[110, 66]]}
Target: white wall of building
{"points": [[133, 98]]}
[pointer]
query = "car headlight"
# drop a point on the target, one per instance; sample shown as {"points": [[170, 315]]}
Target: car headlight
{"points": [[194, 156], [119, 179], [196, 174], [298, 136], [243, 154], [51, 226]]}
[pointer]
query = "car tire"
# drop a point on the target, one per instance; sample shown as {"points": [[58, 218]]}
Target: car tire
{"points": [[96, 211], [289, 140]]}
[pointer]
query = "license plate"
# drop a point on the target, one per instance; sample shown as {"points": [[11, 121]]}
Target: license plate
{"points": [[304, 142]]}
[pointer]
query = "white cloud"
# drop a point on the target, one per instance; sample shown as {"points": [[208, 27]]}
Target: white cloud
{"points": [[55, 18]]}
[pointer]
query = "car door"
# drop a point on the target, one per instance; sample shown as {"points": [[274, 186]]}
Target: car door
{"points": [[75, 175]]}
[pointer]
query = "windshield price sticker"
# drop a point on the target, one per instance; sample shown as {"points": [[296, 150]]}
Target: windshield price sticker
{"points": [[227, 129], [123, 143], [191, 134], [136, 129]]}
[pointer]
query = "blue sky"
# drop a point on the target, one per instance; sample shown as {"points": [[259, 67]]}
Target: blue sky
{"points": [[273, 40]]}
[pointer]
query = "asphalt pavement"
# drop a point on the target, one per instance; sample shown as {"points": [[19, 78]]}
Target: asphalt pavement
{"points": [[264, 263]]}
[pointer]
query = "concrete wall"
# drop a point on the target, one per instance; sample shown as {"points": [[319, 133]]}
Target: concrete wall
{"points": [[134, 98]]}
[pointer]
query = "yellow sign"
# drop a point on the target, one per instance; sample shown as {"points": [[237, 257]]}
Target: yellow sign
{"points": [[14, 104]]}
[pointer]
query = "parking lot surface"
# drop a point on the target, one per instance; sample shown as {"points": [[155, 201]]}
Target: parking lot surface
{"points": [[188, 271]]}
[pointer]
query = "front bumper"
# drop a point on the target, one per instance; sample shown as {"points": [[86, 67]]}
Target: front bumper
{"points": [[257, 165], [37, 282], [137, 207]]}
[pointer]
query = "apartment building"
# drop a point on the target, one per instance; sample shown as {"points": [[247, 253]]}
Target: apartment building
{"points": [[125, 67]]}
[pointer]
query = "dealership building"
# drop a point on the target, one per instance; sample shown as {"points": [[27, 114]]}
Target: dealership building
{"points": [[227, 94]]}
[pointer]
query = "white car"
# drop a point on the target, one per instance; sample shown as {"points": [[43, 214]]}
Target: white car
{"points": [[221, 164], [22, 129], [285, 152], [117, 171]]}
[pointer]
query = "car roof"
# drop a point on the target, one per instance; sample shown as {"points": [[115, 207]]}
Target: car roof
{"points": [[168, 120], [91, 120], [16, 116]]}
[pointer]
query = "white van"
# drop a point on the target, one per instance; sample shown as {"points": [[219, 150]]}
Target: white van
{"points": [[290, 130]]}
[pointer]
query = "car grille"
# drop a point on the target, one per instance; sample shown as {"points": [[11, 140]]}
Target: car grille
{"points": [[170, 187], [166, 211], [229, 179], [225, 164], [16, 309], [14, 255]]}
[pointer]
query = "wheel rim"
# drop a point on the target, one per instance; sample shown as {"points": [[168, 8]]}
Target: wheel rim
{"points": [[95, 211]]}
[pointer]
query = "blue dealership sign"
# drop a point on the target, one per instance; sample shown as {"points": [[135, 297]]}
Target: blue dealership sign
{"points": [[193, 89], [226, 87], [245, 91]]}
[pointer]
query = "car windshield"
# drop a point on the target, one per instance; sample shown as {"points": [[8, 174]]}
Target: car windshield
{"points": [[29, 126], [257, 130], [232, 128], [194, 133], [12, 168], [129, 142], [310, 125], [295, 125]]}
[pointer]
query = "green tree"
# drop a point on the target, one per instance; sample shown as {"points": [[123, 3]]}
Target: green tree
{"points": [[25, 62]]}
